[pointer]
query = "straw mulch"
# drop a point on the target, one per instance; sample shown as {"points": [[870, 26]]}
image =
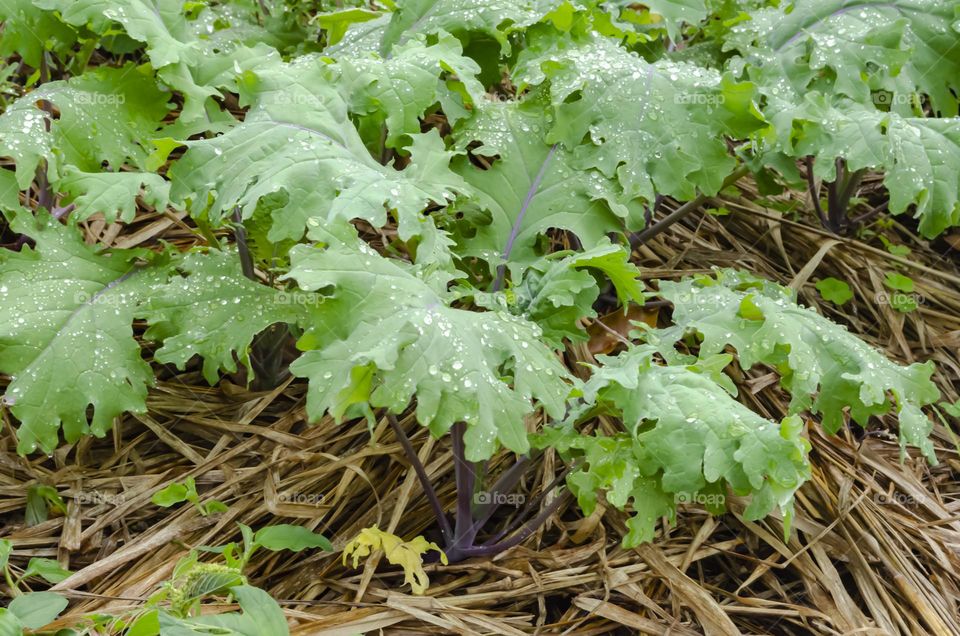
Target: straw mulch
{"points": [[874, 548]]}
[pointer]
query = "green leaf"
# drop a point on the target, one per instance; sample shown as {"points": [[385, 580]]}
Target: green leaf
{"points": [[105, 115], [834, 290], [29, 32], [559, 291], [685, 438], [712, 367], [919, 155], [290, 537], [155, 22], [494, 18], [147, 624], [951, 409], [749, 310], [386, 335], [37, 609], [853, 48], [9, 192], [899, 282], [47, 569], [532, 188], [893, 248], [214, 311], [903, 299], [824, 367], [6, 547], [213, 507], [261, 615], [336, 23], [676, 12], [362, 38], [670, 141], [297, 138], [176, 493], [66, 336], [40, 499], [400, 88], [192, 58], [9, 623], [114, 194]]}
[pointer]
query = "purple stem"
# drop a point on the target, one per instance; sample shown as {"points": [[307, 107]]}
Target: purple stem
{"points": [[832, 197], [515, 230], [59, 213], [525, 531], [530, 506], [44, 193], [240, 234], [682, 212], [465, 474], [814, 193], [866, 216], [505, 483], [422, 476]]}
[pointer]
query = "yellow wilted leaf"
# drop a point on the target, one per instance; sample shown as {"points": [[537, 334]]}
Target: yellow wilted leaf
{"points": [[406, 554]]}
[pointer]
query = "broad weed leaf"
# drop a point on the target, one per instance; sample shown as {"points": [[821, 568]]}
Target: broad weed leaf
{"points": [[290, 537]]}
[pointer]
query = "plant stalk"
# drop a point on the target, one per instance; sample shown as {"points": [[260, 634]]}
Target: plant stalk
{"points": [[815, 192], [243, 249], [525, 531], [505, 483], [530, 506], [683, 211], [466, 477], [421, 471]]}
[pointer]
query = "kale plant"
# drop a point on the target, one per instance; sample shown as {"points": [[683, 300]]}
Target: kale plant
{"points": [[432, 196]]}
